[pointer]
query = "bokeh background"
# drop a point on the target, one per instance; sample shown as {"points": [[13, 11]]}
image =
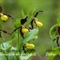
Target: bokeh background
{"points": [[51, 10]]}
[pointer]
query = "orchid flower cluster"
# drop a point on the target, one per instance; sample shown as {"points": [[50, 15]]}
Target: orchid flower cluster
{"points": [[25, 33]]}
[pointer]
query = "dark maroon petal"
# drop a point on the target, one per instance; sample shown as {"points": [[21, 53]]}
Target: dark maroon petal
{"points": [[37, 13], [6, 32], [31, 27], [9, 15], [0, 29], [15, 30], [0, 9], [0, 34], [21, 32], [59, 29], [24, 20], [24, 49], [57, 41], [4, 21]]}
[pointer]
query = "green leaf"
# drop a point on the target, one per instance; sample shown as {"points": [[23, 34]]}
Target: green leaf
{"points": [[27, 14], [56, 48], [2, 51], [22, 13], [51, 55], [12, 56], [55, 51], [7, 46], [58, 21], [33, 12], [17, 23], [31, 35], [2, 56], [53, 32], [26, 56], [28, 37]]}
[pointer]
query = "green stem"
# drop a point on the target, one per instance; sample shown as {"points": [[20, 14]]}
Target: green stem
{"points": [[2, 43], [18, 45], [52, 44], [6, 57], [18, 41]]}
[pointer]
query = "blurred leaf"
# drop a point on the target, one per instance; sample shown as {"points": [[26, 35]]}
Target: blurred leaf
{"points": [[17, 23], [58, 21], [53, 53], [12, 56], [26, 56], [2, 57], [27, 14], [22, 13], [56, 48], [52, 31], [7, 46], [33, 12], [2, 51]]}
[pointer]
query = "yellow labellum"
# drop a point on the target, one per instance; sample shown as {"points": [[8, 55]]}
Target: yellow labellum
{"points": [[30, 46], [39, 24], [25, 30], [4, 17]]}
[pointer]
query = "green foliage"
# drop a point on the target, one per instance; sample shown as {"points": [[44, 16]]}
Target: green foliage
{"points": [[55, 36], [26, 56], [53, 53], [53, 31], [51, 10], [17, 23]]}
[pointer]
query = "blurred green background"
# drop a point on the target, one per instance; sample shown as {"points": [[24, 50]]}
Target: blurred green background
{"points": [[51, 10]]}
